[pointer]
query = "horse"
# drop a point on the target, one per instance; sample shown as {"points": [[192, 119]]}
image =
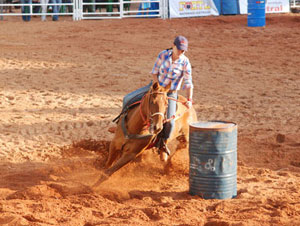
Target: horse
{"points": [[139, 128]]}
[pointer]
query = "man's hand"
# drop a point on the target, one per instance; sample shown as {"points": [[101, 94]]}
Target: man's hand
{"points": [[189, 93], [189, 104]]}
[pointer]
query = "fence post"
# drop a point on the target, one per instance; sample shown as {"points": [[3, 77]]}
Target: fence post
{"points": [[31, 10], [163, 9], [167, 9], [78, 9], [1, 9], [121, 8], [161, 5], [74, 13]]}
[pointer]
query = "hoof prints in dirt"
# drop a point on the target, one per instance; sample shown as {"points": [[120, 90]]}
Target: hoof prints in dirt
{"points": [[53, 190], [86, 147], [92, 145]]}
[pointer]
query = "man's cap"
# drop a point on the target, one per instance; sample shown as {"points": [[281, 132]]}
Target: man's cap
{"points": [[181, 43]]}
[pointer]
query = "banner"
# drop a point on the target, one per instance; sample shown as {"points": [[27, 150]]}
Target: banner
{"points": [[272, 6], [185, 8], [277, 6]]}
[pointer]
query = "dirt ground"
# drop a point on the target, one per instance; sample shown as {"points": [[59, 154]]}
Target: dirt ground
{"points": [[62, 83]]}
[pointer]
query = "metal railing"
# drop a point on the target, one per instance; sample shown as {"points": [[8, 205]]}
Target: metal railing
{"points": [[294, 4], [121, 9], [81, 9]]}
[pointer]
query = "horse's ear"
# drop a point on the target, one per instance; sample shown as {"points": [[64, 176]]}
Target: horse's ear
{"points": [[155, 86]]}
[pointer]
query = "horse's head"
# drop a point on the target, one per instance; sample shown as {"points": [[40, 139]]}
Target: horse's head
{"points": [[158, 103]]}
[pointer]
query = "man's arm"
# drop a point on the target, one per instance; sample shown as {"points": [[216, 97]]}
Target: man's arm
{"points": [[189, 93]]}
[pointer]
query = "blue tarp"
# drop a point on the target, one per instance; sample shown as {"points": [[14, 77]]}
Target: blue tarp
{"points": [[226, 7], [153, 6]]}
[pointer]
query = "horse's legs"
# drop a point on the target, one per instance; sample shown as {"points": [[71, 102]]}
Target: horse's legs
{"points": [[129, 153], [112, 155], [164, 154], [176, 143], [126, 158]]}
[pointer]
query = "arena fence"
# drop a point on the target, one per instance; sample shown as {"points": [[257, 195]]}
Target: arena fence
{"points": [[94, 9], [34, 9], [122, 9], [87, 9], [295, 4]]}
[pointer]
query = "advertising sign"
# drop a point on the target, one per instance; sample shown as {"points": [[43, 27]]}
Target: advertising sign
{"points": [[277, 6], [185, 8], [272, 6]]}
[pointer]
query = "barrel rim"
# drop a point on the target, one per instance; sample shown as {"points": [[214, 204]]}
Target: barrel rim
{"points": [[214, 129]]}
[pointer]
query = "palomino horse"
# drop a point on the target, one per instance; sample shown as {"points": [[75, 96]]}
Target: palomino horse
{"points": [[137, 130]]}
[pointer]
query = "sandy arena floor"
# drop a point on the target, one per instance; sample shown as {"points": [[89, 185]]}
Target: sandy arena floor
{"points": [[62, 83]]}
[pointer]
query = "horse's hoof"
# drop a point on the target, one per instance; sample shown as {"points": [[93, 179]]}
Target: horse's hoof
{"points": [[102, 178], [163, 156], [164, 153]]}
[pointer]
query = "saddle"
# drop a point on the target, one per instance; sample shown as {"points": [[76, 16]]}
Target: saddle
{"points": [[158, 142], [130, 104]]}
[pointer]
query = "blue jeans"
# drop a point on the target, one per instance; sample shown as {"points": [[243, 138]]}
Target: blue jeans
{"points": [[136, 95], [171, 110], [55, 8], [26, 9]]}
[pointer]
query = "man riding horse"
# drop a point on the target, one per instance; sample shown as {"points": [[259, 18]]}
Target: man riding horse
{"points": [[151, 115], [171, 67]]}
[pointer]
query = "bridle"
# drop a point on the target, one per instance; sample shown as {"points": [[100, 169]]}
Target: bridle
{"points": [[148, 120]]}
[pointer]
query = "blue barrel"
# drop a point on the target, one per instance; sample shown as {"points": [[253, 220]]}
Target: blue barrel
{"points": [[213, 159], [256, 13]]}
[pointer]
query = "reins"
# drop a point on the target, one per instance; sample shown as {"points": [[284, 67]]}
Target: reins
{"points": [[146, 121], [180, 101]]}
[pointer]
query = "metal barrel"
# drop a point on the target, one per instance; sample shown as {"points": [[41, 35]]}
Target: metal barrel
{"points": [[256, 13], [213, 159]]}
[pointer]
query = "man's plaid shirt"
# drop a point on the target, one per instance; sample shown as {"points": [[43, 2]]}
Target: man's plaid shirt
{"points": [[174, 72]]}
